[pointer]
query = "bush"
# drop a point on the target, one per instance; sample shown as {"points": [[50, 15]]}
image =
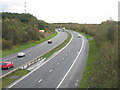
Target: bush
{"points": [[6, 44], [19, 29]]}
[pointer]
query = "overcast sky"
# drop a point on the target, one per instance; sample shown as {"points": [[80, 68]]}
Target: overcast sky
{"points": [[64, 11]]}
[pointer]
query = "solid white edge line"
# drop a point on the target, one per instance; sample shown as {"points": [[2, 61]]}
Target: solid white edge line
{"points": [[71, 66], [39, 66]]}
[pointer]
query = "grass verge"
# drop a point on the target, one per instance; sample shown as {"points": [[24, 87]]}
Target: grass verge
{"points": [[13, 76], [89, 69], [47, 55], [25, 46]]}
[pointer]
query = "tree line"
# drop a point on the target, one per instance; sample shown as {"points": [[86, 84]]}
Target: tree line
{"points": [[18, 29], [105, 73]]}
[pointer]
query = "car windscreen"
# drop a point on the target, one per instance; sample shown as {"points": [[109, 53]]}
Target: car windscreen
{"points": [[4, 63]]}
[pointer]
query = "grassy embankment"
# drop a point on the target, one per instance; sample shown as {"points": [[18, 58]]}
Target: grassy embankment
{"points": [[89, 69], [28, 45], [19, 73]]}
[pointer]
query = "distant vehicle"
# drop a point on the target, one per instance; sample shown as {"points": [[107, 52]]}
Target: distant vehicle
{"points": [[63, 28], [79, 36], [49, 41], [21, 54], [6, 65], [59, 30]]}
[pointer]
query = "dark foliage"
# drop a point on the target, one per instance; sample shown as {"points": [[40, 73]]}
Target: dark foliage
{"points": [[22, 28]]}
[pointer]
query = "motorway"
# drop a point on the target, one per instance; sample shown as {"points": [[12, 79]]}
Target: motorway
{"points": [[63, 70], [33, 52]]}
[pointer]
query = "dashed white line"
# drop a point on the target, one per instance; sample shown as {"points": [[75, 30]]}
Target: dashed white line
{"points": [[76, 85], [25, 52], [9, 58], [50, 70], [40, 80], [77, 80], [38, 67], [57, 63], [62, 58], [71, 66], [66, 54]]}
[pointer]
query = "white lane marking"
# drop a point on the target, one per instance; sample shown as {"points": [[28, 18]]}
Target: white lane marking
{"points": [[39, 66], [66, 54], [28, 50], [16, 56], [71, 66], [50, 70], [57, 63], [25, 52], [40, 80], [38, 46], [62, 58], [31, 49], [77, 80], [76, 85], [25, 76], [9, 58], [69, 51]]}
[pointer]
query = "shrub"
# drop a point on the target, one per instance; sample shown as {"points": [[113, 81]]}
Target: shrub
{"points": [[6, 44]]}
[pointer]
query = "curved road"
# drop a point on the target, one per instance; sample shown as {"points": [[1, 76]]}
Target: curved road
{"points": [[34, 52], [64, 70]]}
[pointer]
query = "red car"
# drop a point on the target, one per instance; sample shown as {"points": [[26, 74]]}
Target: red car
{"points": [[7, 65]]}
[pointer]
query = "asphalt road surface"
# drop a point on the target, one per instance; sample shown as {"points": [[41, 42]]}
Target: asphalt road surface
{"points": [[33, 52], [64, 70]]}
